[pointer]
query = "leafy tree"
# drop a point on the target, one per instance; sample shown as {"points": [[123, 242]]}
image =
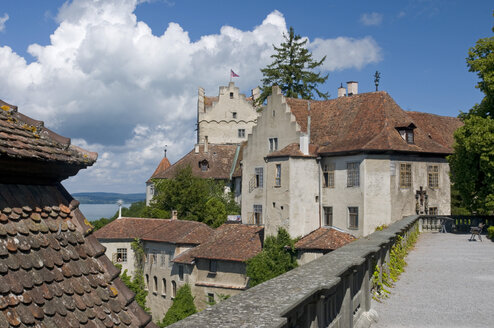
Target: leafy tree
{"points": [[182, 307], [277, 257], [194, 198], [292, 70], [472, 163]]}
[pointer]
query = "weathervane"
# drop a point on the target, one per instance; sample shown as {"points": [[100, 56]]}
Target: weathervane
{"points": [[377, 77]]}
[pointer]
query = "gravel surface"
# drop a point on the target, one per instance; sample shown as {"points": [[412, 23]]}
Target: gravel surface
{"points": [[449, 282]]}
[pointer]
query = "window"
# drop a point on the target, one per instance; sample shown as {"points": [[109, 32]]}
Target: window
{"points": [[277, 180], [353, 174], [121, 254], [174, 288], [151, 190], [155, 280], [407, 135], [433, 211], [163, 259], [328, 216], [257, 214], [211, 299], [234, 114], [259, 177], [241, 133], [433, 176], [231, 95], [353, 217], [273, 144], [163, 286], [204, 165], [212, 266], [274, 113], [181, 272], [147, 281], [328, 176], [405, 175]]}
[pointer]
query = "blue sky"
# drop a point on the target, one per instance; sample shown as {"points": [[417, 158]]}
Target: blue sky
{"points": [[120, 76]]}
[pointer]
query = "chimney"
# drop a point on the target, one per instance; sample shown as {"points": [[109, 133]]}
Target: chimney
{"points": [[304, 144], [341, 91], [174, 215], [352, 88], [256, 93]]}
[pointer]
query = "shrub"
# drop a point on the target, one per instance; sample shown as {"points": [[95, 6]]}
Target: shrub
{"points": [[490, 233]]}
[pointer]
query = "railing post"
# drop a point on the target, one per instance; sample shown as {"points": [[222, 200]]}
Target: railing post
{"points": [[346, 306]]}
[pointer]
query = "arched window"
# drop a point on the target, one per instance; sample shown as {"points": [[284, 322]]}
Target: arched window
{"points": [[155, 280], [147, 281], [163, 290], [174, 288]]}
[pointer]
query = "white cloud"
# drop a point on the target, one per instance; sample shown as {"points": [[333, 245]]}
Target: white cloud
{"points": [[343, 53], [371, 19], [3, 20], [114, 87]]}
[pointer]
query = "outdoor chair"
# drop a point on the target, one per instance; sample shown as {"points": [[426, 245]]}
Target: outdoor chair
{"points": [[476, 231]]}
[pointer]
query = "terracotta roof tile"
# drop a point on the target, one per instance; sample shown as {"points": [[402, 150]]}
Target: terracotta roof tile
{"points": [[160, 230], [219, 157], [162, 167], [230, 242], [325, 238], [369, 122], [35, 148]]}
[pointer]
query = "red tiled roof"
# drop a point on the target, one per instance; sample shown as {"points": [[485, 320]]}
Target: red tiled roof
{"points": [[219, 157], [293, 150], [208, 101], [368, 122], [38, 152], [325, 238], [160, 230], [230, 242], [162, 167]]}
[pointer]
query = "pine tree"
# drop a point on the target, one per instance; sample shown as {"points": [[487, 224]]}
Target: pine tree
{"points": [[182, 307], [292, 71]]}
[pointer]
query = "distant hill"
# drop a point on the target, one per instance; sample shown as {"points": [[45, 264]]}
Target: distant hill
{"points": [[107, 197]]}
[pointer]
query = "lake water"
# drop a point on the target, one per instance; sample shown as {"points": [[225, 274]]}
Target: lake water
{"points": [[96, 211]]}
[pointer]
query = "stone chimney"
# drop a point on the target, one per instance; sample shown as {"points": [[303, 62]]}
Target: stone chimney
{"points": [[304, 144], [341, 91], [174, 215], [352, 88], [256, 93]]}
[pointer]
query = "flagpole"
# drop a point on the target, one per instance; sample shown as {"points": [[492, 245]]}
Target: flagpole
{"points": [[231, 76]]}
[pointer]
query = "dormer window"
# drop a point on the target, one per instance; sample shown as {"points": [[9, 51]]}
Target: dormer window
{"points": [[204, 165], [407, 133]]}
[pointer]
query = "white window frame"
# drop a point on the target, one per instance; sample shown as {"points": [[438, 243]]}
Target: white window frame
{"points": [[273, 144], [353, 225], [277, 177], [353, 174]]}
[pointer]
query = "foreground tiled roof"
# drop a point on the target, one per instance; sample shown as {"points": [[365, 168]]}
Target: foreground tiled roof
{"points": [[230, 242], [368, 122], [162, 167], [161, 230], [33, 147], [53, 272], [219, 157], [325, 238]]}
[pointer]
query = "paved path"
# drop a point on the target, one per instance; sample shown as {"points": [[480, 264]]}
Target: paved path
{"points": [[449, 282]]}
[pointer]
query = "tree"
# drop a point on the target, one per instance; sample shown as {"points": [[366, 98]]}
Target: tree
{"points": [[194, 198], [277, 257], [472, 163], [182, 307], [292, 70]]}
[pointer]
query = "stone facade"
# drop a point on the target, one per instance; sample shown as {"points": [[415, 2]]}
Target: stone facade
{"points": [[375, 174], [227, 118]]}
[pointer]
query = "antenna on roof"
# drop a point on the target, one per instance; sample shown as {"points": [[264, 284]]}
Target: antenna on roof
{"points": [[377, 77], [119, 203], [165, 149]]}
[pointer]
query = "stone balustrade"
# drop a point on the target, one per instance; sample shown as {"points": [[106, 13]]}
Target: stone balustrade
{"points": [[331, 291]]}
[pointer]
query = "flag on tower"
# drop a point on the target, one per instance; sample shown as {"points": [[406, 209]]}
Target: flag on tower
{"points": [[233, 74]]}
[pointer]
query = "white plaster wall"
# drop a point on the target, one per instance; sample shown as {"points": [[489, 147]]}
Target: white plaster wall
{"points": [[217, 122], [306, 256], [111, 248], [304, 196], [341, 197], [229, 273], [157, 300], [281, 125]]}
